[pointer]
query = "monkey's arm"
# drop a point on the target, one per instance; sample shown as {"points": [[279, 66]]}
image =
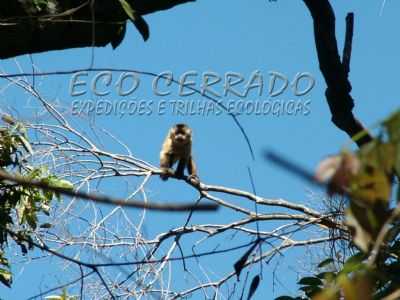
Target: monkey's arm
{"points": [[191, 166], [166, 162]]}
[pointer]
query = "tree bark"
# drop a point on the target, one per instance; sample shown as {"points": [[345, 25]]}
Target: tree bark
{"points": [[334, 71]]}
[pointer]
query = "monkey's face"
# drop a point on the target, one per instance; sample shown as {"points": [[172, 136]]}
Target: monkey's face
{"points": [[181, 135]]}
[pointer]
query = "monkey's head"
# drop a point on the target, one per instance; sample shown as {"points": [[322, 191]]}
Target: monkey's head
{"points": [[181, 134]]}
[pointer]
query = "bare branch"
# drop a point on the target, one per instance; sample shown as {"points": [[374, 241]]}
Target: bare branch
{"points": [[348, 42], [338, 85], [105, 199]]}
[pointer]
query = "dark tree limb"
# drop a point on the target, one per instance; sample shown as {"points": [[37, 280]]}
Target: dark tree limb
{"points": [[348, 43], [27, 28], [334, 71]]}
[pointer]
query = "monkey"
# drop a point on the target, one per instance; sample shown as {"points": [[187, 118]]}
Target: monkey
{"points": [[178, 147]]}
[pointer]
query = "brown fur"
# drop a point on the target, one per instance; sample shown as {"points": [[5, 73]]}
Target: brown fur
{"points": [[177, 147]]}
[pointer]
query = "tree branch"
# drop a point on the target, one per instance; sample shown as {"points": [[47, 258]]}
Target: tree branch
{"points": [[105, 199], [80, 24], [335, 73], [348, 42]]}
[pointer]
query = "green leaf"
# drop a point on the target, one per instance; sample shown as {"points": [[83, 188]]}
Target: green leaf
{"points": [[61, 183], [310, 290], [285, 298], [136, 19], [142, 27], [392, 125], [327, 275], [24, 250], [3, 260], [354, 263], [239, 265], [253, 286], [26, 144], [310, 281], [31, 219], [46, 225], [361, 237], [8, 119], [325, 262], [356, 258], [128, 9], [5, 277], [392, 234], [57, 183], [117, 39], [397, 159], [20, 208], [45, 208]]}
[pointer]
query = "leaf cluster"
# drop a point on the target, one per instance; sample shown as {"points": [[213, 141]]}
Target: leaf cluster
{"points": [[20, 206], [367, 178]]}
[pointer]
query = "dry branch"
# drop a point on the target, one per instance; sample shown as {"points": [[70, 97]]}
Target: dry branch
{"points": [[172, 207]]}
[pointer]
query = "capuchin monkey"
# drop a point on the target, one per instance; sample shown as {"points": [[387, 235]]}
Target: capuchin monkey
{"points": [[178, 147]]}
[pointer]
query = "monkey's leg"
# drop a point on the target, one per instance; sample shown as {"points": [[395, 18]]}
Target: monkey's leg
{"points": [[191, 166], [166, 163], [181, 168]]}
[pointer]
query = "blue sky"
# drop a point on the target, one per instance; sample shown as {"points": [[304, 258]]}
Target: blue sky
{"points": [[233, 36]]}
